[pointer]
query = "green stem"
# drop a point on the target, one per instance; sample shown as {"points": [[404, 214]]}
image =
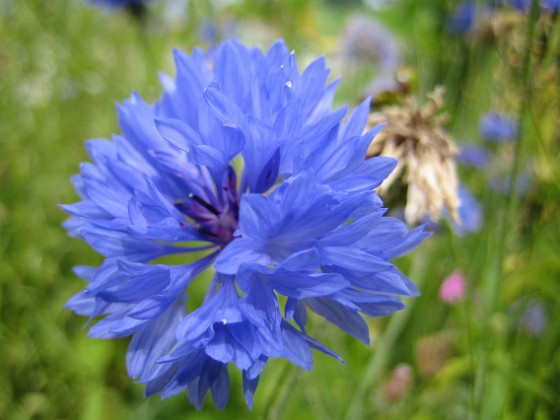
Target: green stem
{"points": [[494, 271], [511, 197], [378, 361], [278, 399]]}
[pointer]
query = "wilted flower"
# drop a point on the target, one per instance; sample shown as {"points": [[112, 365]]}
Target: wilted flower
{"points": [[497, 127], [453, 288], [414, 135], [470, 214], [244, 164]]}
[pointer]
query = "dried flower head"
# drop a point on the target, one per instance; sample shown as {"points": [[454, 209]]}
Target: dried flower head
{"points": [[414, 135]]}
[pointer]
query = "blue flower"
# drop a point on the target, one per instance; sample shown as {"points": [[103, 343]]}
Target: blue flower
{"points": [[497, 127], [501, 182], [365, 41], [118, 3], [468, 14], [463, 17], [545, 5], [243, 164], [473, 156], [534, 318], [470, 213]]}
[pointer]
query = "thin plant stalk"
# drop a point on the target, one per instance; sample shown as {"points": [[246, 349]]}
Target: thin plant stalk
{"points": [[494, 272], [378, 362]]}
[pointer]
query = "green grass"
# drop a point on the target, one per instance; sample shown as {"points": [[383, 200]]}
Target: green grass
{"points": [[63, 66]]}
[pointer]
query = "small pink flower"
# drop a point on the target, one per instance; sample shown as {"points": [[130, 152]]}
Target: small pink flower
{"points": [[453, 288], [399, 383]]}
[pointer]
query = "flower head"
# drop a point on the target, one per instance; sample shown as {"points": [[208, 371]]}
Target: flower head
{"points": [[399, 383], [534, 318], [116, 3], [134, 6], [453, 288], [243, 163], [473, 156], [462, 17], [545, 5], [497, 127], [470, 212], [415, 137], [366, 41]]}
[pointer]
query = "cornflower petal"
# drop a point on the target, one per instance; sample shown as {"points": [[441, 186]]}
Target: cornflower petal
{"points": [[242, 168]]}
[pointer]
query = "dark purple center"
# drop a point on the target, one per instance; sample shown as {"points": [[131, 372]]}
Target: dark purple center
{"points": [[215, 216]]}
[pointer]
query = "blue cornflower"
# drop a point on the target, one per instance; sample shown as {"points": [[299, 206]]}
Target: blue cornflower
{"points": [[545, 5], [497, 127], [470, 213], [462, 18], [534, 318], [118, 3], [365, 41], [243, 162], [469, 14], [501, 182], [473, 156]]}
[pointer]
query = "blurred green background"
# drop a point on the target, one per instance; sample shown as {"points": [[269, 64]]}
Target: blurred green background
{"points": [[63, 66]]}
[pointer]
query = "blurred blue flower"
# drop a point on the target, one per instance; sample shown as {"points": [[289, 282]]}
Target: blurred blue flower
{"points": [[534, 318], [365, 41], [545, 5], [117, 3], [473, 155], [466, 16], [501, 182], [497, 127], [208, 31], [470, 213], [244, 164], [462, 18]]}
